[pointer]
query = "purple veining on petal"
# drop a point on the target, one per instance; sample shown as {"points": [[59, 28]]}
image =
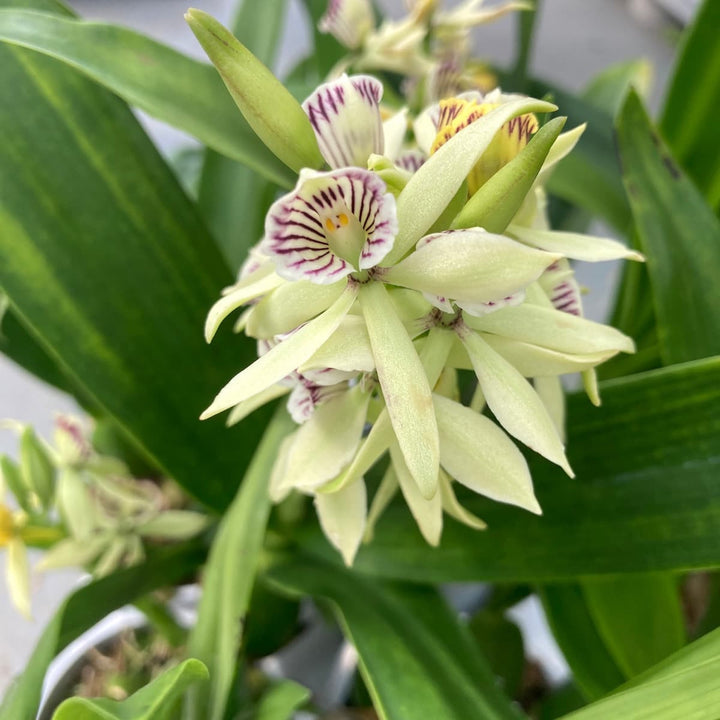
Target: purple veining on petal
{"points": [[345, 115], [410, 160], [300, 226], [347, 20], [306, 396], [480, 309], [559, 283]]}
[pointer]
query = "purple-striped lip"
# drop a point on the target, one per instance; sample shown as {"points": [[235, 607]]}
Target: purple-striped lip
{"points": [[331, 225]]}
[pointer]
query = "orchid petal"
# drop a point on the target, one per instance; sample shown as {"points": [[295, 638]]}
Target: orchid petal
{"points": [[574, 245], [561, 148], [278, 488], [330, 224], [383, 496], [590, 384], [262, 281], [424, 199], [348, 349], [513, 401], [342, 517], [550, 391], [307, 395], [553, 329], [285, 357], [289, 306], [453, 508], [404, 385], [427, 512], [18, 576], [480, 456], [345, 115], [348, 21], [470, 266], [246, 407], [328, 441], [394, 130]]}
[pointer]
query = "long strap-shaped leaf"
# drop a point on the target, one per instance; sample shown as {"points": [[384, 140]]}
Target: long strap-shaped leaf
{"points": [[646, 496], [106, 260], [415, 657], [165, 83]]}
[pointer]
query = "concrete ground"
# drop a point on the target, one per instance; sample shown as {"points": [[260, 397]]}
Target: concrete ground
{"points": [[575, 40]]}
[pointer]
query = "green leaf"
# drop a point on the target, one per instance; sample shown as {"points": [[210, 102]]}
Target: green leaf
{"points": [[607, 90], [415, 657], [155, 701], [229, 578], [106, 261], [646, 497], [691, 106], [594, 669], [279, 702], [233, 198], [165, 83], [683, 686], [639, 617], [495, 204], [679, 236], [87, 606], [269, 108]]}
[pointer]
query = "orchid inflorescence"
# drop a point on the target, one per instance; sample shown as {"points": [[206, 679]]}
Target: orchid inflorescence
{"points": [[421, 250]]}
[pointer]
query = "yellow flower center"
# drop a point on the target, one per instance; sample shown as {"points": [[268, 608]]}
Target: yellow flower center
{"points": [[345, 236], [457, 113], [7, 525]]}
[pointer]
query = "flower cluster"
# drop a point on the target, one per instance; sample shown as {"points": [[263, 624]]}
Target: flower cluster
{"points": [[382, 277]]}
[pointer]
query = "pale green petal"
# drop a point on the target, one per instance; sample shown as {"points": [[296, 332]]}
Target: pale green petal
{"points": [[342, 517], [590, 383], [370, 451], [262, 281], [285, 357], [471, 265], [383, 497], [289, 306], [278, 487], [174, 525], [328, 441], [550, 391], [75, 504], [404, 385], [394, 130], [74, 553], [477, 402], [435, 351], [531, 360], [244, 408], [575, 245], [425, 130], [347, 349], [514, 402], [112, 558], [434, 185], [427, 513], [553, 329], [453, 508], [18, 576], [561, 148], [479, 455]]}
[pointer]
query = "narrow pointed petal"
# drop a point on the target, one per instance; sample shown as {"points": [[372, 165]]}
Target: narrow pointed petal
{"points": [[284, 358], [479, 455], [561, 148], [289, 306], [394, 130], [590, 383], [404, 385], [370, 451], [575, 245], [18, 576], [328, 441], [453, 508], [271, 111], [469, 265], [348, 349], [342, 516], [246, 407], [553, 329], [345, 115], [531, 360], [278, 487], [383, 497], [330, 224], [248, 290], [514, 402], [423, 200], [550, 391], [427, 513]]}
